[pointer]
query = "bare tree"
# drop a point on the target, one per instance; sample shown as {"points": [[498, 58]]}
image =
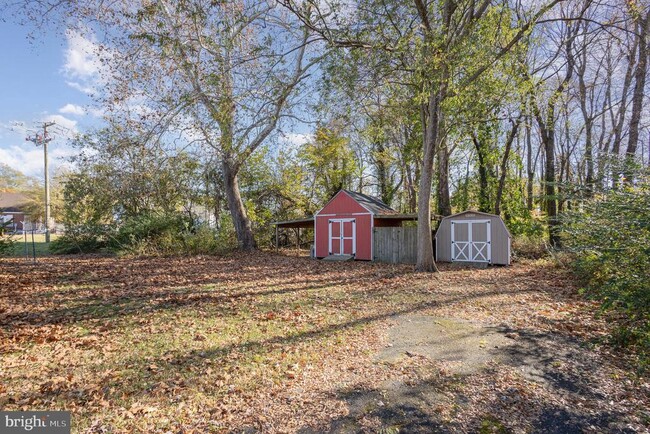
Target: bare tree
{"points": [[224, 72]]}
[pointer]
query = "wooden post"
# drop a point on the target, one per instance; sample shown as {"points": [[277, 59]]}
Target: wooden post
{"points": [[276, 238], [298, 242]]}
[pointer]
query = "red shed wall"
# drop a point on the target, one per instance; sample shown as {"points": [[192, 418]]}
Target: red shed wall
{"points": [[363, 235], [342, 203], [343, 206]]}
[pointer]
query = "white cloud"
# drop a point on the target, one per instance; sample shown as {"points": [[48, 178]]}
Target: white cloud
{"points": [[72, 109], [97, 112], [295, 139], [84, 64], [80, 87], [28, 158], [82, 56]]}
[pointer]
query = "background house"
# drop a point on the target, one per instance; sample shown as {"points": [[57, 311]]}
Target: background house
{"points": [[12, 210]]}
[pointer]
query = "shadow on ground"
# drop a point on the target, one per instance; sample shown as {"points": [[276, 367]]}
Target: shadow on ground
{"points": [[558, 365]]}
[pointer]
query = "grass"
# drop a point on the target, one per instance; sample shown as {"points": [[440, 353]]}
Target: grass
{"points": [[247, 342], [39, 245]]}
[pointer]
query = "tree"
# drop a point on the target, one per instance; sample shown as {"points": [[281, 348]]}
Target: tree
{"points": [[330, 162], [545, 112], [435, 37], [641, 20], [224, 72], [14, 180]]}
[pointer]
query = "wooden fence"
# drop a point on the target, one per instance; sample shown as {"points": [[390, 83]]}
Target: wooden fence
{"points": [[395, 245]]}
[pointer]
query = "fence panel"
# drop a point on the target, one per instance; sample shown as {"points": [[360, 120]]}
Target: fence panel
{"points": [[395, 245]]}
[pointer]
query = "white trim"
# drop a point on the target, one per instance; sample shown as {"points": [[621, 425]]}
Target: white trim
{"points": [[329, 237], [474, 248], [345, 214], [372, 238], [503, 223], [341, 236], [315, 240], [469, 211]]}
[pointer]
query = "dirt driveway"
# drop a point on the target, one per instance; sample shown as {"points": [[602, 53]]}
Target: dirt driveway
{"points": [[269, 343], [469, 375]]}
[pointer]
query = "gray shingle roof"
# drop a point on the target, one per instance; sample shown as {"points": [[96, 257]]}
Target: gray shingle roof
{"points": [[372, 204]]}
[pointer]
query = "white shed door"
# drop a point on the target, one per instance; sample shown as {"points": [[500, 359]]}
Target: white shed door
{"points": [[342, 237], [470, 241]]}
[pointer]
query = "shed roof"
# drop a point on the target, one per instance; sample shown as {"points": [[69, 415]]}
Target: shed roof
{"points": [[307, 222], [412, 216], [371, 203], [469, 211], [12, 201]]}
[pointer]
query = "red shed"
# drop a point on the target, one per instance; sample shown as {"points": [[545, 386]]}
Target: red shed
{"points": [[344, 226]]}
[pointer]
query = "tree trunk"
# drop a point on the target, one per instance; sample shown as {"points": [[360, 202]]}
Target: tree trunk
{"points": [[410, 189], [504, 167], [589, 143], [431, 122], [483, 193], [549, 187], [530, 170], [546, 124], [431, 125], [442, 187], [639, 87], [410, 173], [547, 132], [386, 190], [242, 223], [620, 115], [581, 69]]}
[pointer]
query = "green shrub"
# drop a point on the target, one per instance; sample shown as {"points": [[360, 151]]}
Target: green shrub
{"points": [[147, 234], [226, 236], [6, 245], [610, 235], [529, 247], [6, 241], [526, 226], [163, 234], [203, 241], [87, 238]]}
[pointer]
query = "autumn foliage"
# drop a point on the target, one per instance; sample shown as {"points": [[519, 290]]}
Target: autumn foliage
{"points": [[273, 343]]}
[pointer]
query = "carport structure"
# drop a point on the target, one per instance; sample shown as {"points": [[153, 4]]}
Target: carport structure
{"points": [[296, 224]]}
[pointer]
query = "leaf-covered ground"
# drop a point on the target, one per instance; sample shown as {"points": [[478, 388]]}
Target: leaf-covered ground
{"points": [[269, 343]]}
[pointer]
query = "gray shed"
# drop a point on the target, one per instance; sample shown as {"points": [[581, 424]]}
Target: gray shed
{"points": [[473, 236]]}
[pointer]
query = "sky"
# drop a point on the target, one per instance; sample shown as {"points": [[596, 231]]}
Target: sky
{"points": [[49, 75], [46, 77]]}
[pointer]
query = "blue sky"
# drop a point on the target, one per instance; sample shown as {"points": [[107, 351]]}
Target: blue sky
{"points": [[42, 78], [49, 75]]}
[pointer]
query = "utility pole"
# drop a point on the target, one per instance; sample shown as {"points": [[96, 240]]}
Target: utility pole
{"points": [[43, 140]]}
